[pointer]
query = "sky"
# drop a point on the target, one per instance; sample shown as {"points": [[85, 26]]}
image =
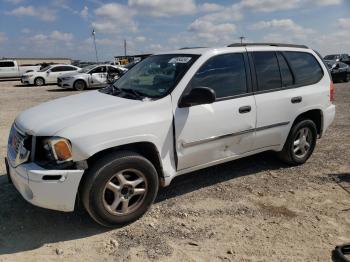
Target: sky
{"points": [[62, 28]]}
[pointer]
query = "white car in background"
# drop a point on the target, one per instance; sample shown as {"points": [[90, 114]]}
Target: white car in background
{"points": [[91, 76], [47, 75], [11, 69]]}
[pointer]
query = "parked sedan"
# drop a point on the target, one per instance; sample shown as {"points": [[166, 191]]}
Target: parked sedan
{"points": [[47, 75], [91, 76], [339, 71]]}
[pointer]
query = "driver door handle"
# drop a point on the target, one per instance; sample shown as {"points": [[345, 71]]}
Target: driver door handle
{"points": [[244, 109]]}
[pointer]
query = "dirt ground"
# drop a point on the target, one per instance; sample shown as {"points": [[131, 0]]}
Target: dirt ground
{"points": [[253, 209]]}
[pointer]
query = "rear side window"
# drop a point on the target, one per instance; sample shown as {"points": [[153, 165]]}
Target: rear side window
{"points": [[306, 69], [286, 74], [7, 64], [267, 70], [225, 74]]}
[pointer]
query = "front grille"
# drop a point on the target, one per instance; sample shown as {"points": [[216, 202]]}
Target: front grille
{"points": [[19, 144]]}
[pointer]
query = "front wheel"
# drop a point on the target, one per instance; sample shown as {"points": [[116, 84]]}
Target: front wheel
{"points": [[119, 188], [79, 85], [39, 81], [300, 143]]}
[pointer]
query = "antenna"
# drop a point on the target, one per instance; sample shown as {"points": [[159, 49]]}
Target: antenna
{"points": [[242, 38], [94, 37]]}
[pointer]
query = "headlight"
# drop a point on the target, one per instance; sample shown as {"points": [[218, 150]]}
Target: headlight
{"points": [[58, 149]]}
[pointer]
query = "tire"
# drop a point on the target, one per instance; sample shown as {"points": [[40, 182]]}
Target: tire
{"points": [[104, 193], [290, 153], [347, 78], [79, 85], [39, 81]]}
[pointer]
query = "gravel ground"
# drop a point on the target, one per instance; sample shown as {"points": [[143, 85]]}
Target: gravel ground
{"points": [[253, 209]]}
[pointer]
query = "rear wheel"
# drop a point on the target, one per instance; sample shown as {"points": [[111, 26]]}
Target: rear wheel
{"points": [[119, 188], [300, 143], [79, 85], [39, 81]]}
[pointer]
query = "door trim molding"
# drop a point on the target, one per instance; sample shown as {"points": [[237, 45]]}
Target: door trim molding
{"points": [[214, 138]]}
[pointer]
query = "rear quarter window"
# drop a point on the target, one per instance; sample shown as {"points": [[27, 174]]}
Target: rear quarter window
{"points": [[306, 69]]}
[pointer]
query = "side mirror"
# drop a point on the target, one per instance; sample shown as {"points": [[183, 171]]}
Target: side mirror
{"points": [[198, 96]]}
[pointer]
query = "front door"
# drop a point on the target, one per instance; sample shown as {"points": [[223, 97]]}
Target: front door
{"points": [[224, 129], [98, 77]]}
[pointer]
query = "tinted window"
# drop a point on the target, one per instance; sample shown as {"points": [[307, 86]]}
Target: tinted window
{"points": [[68, 68], [286, 74], [58, 69], [267, 71], [306, 69], [225, 74], [7, 64]]}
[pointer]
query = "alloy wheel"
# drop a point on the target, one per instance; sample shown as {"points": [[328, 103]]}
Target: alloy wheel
{"points": [[302, 142], [125, 192]]}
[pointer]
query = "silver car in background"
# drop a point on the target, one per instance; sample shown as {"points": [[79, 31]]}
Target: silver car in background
{"points": [[92, 76]]}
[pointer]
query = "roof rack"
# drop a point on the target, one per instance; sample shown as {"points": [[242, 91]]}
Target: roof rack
{"points": [[267, 44], [184, 48]]}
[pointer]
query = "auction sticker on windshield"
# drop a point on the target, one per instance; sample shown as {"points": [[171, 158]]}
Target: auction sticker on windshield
{"points": [[180, 60]]}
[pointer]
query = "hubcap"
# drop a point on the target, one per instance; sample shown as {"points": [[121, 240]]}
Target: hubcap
{"points": [[39, 82], [302, 142], [125, 192], [79, 86]]}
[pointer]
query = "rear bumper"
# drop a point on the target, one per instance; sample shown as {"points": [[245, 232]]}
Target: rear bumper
{"points": [[328, 117], [52, 189]]}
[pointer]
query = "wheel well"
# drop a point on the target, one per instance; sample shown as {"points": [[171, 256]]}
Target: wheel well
{"points": [[146, 149], [316, 116]]}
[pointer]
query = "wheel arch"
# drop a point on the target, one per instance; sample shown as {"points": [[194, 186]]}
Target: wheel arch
{"points": [[146, 149], [316, 115]]}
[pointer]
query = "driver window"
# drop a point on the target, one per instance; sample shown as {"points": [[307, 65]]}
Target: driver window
{"points": [[225, 74], [100, 69]]}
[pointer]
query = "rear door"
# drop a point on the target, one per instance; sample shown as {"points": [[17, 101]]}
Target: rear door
{"points": [[284, 87], [222, 130], [55, 72]]}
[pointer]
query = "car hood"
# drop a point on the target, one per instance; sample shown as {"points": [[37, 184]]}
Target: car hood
{"points": [[36, 73], [49, 118]]}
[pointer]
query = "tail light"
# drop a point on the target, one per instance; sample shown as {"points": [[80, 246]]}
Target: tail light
{"points": [[331, 92]]}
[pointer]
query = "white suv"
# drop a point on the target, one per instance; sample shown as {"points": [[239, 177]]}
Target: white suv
{"points": [[171, 114]]}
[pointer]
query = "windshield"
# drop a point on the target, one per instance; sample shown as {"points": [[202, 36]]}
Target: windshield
{"points": [[45, 68], [86, 69], [155, 76], [331, 57]]}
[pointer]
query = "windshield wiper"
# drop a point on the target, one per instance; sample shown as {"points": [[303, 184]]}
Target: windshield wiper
{"points": [[135, 93]]}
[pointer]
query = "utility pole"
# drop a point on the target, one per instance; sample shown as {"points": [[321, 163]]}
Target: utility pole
{"points": [[94, 37], [242, 38], [124, 47]]}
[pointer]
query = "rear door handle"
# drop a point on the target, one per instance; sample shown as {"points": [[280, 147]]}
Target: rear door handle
{"points": [[244, 109], [296, 99]]}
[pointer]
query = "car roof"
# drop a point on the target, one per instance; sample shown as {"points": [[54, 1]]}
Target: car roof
{"points": [[233, 47]]}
